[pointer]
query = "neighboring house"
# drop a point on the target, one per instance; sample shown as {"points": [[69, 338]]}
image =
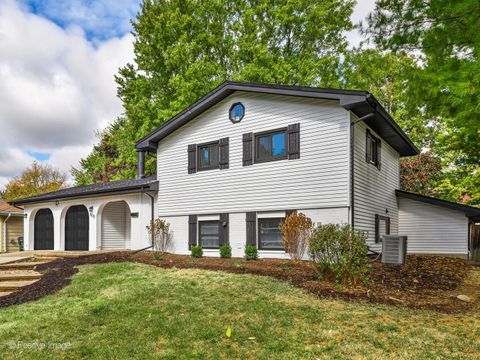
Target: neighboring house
{"points": [[231, 166], [11, 227]]}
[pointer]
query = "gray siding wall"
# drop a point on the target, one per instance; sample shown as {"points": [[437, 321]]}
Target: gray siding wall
{"points": [[374, 190], [319, 179], [433, 229]]}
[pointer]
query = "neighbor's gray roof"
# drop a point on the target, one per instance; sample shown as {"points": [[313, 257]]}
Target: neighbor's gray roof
{"points": [[108, 188], [361, 103]]}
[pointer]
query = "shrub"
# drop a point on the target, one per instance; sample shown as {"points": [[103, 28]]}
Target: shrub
{"points": [[226, 251], [162, 237], [197, 251], [339, 252], [251, 252], [296, 230]]}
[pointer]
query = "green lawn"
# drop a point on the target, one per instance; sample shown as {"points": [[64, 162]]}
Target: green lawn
{"points": [[129, 311]]}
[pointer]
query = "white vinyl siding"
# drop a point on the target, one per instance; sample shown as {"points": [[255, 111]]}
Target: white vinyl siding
{"points": [[374, 189], [433, 229], [115, 226], [319, 179]]}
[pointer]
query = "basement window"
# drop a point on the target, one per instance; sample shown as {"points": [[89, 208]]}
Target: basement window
{"points": [[382, 227], [209, 234], [269, 235]]}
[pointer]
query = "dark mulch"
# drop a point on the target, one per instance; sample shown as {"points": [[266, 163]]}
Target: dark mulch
{"points": [[424, 282]]}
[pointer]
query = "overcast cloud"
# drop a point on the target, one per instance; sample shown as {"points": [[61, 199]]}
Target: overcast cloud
{"points": [[57, 62]]}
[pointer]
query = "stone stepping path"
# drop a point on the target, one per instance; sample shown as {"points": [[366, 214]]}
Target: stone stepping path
{"points": [[16, 275], [27, 265]]}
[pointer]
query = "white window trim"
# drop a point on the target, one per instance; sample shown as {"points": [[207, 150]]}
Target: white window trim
{"points": [[208, 218], [271, 214]]}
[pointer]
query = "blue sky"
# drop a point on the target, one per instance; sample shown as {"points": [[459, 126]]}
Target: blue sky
{"points": [[58, 59], [99, 19]]}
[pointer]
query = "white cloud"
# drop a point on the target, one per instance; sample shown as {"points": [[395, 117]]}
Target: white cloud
{"points": [[56, 89], [360, 12]]}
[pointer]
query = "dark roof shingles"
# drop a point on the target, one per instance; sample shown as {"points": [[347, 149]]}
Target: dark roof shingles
{"points": [[97, 188]]}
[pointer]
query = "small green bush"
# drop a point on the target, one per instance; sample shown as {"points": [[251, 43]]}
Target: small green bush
{"points": [[339, 252], [157, 256], [197, 251], [226, 251], [251, 252]]}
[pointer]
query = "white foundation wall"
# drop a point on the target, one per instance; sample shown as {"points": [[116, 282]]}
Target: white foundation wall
{"points": [[237, 230], [137, 203]]}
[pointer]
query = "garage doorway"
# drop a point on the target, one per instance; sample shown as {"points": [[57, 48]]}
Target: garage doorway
{"points": [[116, 220], [76, 228], [43, 230], [474, 241]]}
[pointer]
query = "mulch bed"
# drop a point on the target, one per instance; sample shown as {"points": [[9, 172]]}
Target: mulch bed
{"points": [[424, 282]]}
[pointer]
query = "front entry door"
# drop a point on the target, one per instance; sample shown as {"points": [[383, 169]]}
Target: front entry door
{"points": [[76, 228]]}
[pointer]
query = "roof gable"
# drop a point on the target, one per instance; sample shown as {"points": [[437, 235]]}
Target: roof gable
{"points": [[361, 103]]}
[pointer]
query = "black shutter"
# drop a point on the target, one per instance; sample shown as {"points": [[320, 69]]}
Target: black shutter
{"points": [[192, 158], [368, 154], [379, 154], [387, 226], [223, 229], [247, 149], [192, 230], [377, 228], [293, 133], [251, 228], [223, 144]]}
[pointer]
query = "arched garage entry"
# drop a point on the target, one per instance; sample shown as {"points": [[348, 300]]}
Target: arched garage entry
{"points": [[76, 228], [43, 230], [116, 225]]}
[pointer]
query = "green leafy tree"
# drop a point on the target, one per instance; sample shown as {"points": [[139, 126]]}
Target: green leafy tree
{"points": [[444, 37], [391, 78], [185, 48]]}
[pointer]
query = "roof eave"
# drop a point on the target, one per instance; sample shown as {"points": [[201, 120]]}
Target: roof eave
{"points": [[469, 211], [98, 193], [353, 100]]}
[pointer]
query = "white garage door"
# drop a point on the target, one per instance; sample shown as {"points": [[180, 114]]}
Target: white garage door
{"points": [[116, 226]]}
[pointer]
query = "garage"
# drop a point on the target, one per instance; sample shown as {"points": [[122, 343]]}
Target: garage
{"points": [[436, 226], [116, 226], [76, 228], [43, 230]]}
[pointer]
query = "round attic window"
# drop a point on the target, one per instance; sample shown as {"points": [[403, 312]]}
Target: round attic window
{"points": [[237, 112]]}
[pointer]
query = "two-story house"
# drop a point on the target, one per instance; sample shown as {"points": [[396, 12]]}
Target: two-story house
{"points": [[231, 166]]}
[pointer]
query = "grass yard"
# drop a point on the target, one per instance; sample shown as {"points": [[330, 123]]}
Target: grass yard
{"points": [[129, 310]]}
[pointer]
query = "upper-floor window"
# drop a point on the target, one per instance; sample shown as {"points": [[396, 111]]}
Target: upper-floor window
{"points": [[208, 156], [373, 150], [271, 145], [237, 112]]}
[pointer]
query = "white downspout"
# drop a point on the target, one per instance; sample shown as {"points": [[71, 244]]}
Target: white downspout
{"points": [[5, 232]]}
